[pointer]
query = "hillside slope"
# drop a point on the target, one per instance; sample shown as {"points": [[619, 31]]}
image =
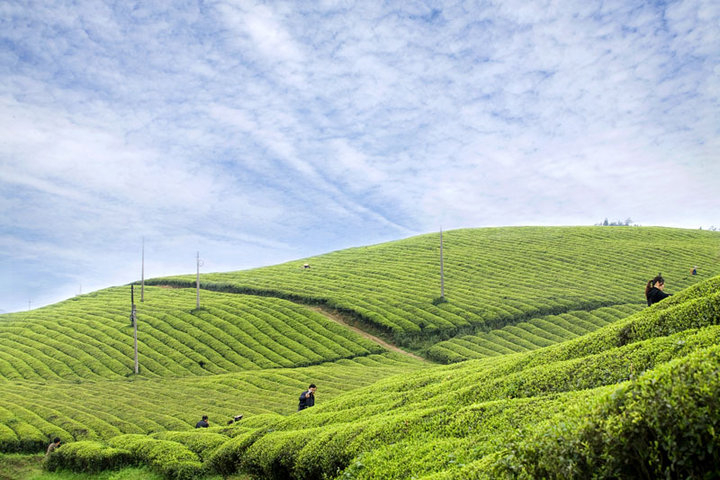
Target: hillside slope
{"points": [[91, 337], [493, 276], [63, 368], [637, 398], [536, 333], [33, 412]]}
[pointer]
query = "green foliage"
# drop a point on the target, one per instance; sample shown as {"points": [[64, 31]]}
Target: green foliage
{"points": [[88, 457], [494, 277], [568, 380], [19, 467], [228, 458], [531, 335], [174, 460], [663, 425], [458, 420], [35, 413], [199, 442], [89, 337]]}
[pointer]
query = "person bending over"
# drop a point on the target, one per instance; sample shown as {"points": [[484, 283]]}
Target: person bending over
{"points": [[55, 444]]}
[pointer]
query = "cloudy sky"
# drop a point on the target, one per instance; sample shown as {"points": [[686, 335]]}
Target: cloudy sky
{"points": [[262, 132]]}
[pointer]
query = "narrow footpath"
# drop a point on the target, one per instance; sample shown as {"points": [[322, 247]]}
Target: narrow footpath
{"points": [[338, 318], [335, 317]]}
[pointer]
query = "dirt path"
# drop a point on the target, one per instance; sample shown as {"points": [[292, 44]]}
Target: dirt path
{"points": [[339, 319]]}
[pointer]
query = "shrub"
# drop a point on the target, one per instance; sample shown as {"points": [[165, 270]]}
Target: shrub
{"points": [[663, 425], [198, 441], [183, 470], [227, 459], [88, 457]]}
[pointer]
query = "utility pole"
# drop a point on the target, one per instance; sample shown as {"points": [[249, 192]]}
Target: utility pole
{"points": [[142, 274], [442, 273], [133, 319], [197, 282]]}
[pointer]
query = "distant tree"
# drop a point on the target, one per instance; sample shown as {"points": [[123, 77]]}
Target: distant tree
{"points": [[617, 223]]}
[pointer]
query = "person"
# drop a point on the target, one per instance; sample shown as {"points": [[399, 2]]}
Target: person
{"points": [[307, 398], [235, 419], [203, 423], [307, 265], [55, 444], [654, 290], [694, 271]]}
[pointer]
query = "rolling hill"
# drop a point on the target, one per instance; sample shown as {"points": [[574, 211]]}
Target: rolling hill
{"points": [[494, 277], [547, 326]]}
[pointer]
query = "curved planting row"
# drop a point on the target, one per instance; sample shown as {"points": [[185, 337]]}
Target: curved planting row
{"points": [[608, 402], [91, 336], [531, 335], [493, 277], [31, 413]]}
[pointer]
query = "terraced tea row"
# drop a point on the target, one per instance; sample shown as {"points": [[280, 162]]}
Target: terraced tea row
{"points": [[493, 277], [32, 412], [500, 416], [531, 335], [91, 336]]}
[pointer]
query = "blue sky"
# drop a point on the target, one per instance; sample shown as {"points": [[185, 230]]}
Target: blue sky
{"points": [[262, 132]]}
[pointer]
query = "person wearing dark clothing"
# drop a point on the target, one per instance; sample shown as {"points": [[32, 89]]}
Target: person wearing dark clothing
{"points": [[307, 398], [235, 419], [203, 423], [654, 290]]}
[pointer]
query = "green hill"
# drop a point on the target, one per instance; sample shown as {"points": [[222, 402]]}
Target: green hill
{"points": [[634, 399], [31, 412], [91, 336], [536, 333], [493, 276], [559, 363]]}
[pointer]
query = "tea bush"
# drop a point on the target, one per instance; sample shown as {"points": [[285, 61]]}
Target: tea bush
{"points": [[562, 374], [89, 337], [494, 277], [662, 425], [89, 457]]}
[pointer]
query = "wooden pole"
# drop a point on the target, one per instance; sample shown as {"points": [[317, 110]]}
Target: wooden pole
{"points": [[142, 274], [197, 282], [442, 273], [133, 316]]}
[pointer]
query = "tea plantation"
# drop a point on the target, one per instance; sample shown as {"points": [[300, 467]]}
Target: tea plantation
{"points": [[494, 277], [556, 367], [90, 337]]}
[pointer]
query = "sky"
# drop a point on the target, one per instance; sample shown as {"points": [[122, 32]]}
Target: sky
{"points": [[257, 133]]}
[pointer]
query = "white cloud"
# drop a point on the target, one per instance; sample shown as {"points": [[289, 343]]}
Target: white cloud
{"points": [[262, 132]]}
